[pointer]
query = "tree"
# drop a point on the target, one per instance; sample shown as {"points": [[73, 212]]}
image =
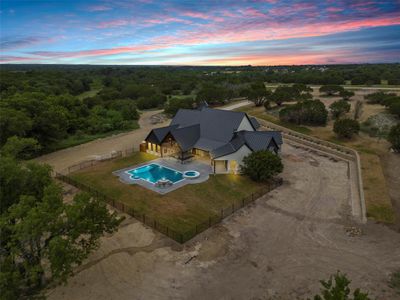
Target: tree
{"points": [[257, 93], [261, 165], [43, 238], [285, 93], [338, 108], [174, 104], [337, 288], [346, 94], [20, 148], [13, 123], [346, 128], [311, 112], [394, 137], [331, 89]]}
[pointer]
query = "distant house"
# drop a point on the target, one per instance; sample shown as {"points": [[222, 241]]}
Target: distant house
{"points": [[219, 137]]}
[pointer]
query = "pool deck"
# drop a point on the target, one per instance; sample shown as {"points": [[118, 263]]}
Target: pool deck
{"points": [[204, 169]]}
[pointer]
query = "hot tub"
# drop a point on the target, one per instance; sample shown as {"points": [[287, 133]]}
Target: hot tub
{"points": [[191, 174]]}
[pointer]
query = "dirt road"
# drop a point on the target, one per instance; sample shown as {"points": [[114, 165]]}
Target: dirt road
{"points": [[278, 248], [64, 158]]}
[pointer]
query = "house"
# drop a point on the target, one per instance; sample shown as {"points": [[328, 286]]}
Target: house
{"points": [[219, 137]]}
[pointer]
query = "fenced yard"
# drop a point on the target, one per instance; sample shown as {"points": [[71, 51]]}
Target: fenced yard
{"points": [[180, 214]]}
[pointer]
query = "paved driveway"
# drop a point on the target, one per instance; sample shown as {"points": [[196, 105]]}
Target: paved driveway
{"points": [[277, 248]]}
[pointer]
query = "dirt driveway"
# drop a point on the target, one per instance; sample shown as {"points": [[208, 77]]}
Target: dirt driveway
{"points": [[67, 157], [278, 248]]}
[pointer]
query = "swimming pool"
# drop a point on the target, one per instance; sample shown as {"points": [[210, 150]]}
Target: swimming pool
{"points": [[154, 172]]}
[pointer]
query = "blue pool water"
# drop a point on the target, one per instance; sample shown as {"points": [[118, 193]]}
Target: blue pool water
{"points": [[154, 172]]}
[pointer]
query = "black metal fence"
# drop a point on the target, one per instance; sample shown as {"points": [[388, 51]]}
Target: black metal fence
{"points": [[89, 163], [180, 237]]}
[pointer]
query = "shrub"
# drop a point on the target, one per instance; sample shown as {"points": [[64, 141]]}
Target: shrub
{"points": [[379, 97], [346, 128], [331, 89], [311, 112], [394, 137], [346, 95], [337, 287], [261, 165], [339, 108]]}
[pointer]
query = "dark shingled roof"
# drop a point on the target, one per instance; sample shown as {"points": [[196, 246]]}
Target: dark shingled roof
{"points": [[214, 130], [255, 140], [186, 137], [157, 135], [215, 124], [255, 123]]}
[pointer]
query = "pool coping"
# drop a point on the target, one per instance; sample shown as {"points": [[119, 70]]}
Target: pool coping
{"points": [[171, 163]]}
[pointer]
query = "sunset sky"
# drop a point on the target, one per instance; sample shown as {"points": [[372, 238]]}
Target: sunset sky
{"points": [[224, 32]]}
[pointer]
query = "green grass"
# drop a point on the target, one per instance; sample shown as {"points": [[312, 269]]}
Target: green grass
{"points": [[74, 140], [181, 209]]}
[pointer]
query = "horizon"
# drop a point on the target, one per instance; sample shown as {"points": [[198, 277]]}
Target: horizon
{"points": [[188, 33]]}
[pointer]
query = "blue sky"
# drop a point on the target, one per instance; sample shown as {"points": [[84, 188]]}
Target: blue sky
{"points": [[225, 32]]}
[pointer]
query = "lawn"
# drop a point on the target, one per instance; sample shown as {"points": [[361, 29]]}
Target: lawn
{"points": [[181, 209], [378, 202]]}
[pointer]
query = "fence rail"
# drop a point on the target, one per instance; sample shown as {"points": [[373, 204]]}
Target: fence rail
{"points": [[180, 237]]}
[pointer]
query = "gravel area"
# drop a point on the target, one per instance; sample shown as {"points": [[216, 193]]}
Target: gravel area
{"points": [[277, 248]]}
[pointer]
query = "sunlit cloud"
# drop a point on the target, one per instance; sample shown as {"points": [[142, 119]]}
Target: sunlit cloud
{"points": [[122, 31]]}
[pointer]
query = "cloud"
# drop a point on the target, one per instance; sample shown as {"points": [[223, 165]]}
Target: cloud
{"points": [[11, 43], [96, 8]]}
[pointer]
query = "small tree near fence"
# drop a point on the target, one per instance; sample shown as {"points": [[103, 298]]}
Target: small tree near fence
{"points": [[337, 288], [261, 165]]}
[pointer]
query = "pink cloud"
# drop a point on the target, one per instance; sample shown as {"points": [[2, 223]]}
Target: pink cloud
{"points": [[334, 9], [113, 23], [95, 8]]}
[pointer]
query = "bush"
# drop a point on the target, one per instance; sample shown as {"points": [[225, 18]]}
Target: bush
{"points": [[331, 89], [339, 108], [379, 97], [311, 112], [337, 287], [394, 137], [261, 165], [346, 128]]}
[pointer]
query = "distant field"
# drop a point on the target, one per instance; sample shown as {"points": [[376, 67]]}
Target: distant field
{"points": [[180, 209]]}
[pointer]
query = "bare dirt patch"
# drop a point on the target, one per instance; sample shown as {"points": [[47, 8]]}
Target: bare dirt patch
{"points": [[277, 248]]}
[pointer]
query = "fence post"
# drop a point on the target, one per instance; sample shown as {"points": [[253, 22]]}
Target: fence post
{"points": [[222, 213]]}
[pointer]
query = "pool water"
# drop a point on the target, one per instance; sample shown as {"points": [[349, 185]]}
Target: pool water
{"points": [[155, 172]]}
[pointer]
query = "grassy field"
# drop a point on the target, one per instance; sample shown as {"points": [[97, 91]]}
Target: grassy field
{"points": [[180, 209], [378, 202]]}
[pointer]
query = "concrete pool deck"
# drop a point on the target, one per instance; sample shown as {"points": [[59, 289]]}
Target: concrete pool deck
{"points": [[204, 169]]}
